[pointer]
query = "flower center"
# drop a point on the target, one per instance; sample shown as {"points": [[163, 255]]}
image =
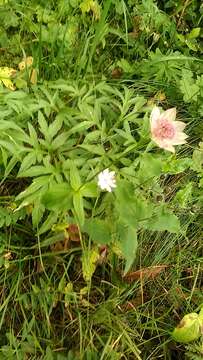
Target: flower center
{"points": [[164, 130]]}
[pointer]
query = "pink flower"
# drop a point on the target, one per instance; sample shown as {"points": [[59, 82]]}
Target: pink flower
{"points": [[165, 130]]}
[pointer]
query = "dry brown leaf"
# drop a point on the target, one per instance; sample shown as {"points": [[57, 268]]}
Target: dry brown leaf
{"points": [[146, 273], [60, 245], [73, 232], [116, 73]]}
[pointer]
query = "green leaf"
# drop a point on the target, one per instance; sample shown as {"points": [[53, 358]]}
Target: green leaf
{"points": [[55, 126], [89, 190], [43, 124], [74, 176], [184, 196], [128, 244], [35, 171], [51, 219], [84, 125], [37, 213], [188, 87], [59, 141], [94, 149], [163, 221], [129, 204], [197, 159], [150, 166], [89, 259], [28, 161], [188, 329], [98, 230], [37, 184], [192, 44], [58, 197], [79, 207], [194, 33], [176, 166]]}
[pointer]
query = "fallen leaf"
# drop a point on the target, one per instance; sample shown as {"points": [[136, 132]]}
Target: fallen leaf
{"points": [[60, 245], [116, 73], [146, 273], [73, 232]]}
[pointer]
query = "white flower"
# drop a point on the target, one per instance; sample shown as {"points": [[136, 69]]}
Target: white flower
{"points": [[106, 180]]}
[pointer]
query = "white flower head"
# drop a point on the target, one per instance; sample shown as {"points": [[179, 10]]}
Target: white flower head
{"points": [[106, 180]]}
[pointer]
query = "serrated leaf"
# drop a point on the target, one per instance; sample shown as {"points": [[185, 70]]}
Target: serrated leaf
{"points": [[128, 244], [37, 213], [55, 127], [188, 87], [150, 167], [43, 124], [131, 207], [28, 161], [35, 171], [184, 195], [75, 180], [79, 207], [94, 149], [58, 197], [176, 166], [37, 184], [163, 221], [84, 125], [60, 140], [98, 230]]}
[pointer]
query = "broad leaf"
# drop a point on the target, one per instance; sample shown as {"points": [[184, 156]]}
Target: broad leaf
{"points": [[58, 197], [128, 244], [98, 230], [163, 221], [130, 206], [89, 190]]}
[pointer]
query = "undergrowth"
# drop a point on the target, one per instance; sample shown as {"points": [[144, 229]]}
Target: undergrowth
{"points": [[87, 273]]}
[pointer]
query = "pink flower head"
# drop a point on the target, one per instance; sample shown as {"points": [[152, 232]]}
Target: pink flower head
{"points": [[165, 130]]}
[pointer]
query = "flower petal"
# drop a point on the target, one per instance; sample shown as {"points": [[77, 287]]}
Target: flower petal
{"points": [[169, 114], [179, 125], [169, 147], [155, 114]]}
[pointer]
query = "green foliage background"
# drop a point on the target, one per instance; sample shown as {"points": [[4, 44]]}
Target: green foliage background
{"points": [[82, 106]]}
